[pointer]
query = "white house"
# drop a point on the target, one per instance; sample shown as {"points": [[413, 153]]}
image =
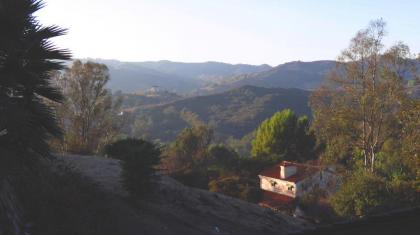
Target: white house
{"points": [[294, 179]]}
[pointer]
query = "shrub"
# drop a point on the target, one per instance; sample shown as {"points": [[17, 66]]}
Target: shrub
{"points": [[222, 156], [312, 198], [361, 194], [139, 158], [189, 151], [237, 187], [251, 194], [229, 186]]}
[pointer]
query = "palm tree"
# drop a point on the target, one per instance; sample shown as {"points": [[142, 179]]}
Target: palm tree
{"points": [[27, 59]]}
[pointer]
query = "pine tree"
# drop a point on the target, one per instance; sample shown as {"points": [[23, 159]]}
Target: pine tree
{"points": [[284, 136]]}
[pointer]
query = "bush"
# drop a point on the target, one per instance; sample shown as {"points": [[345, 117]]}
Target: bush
{"points": [[119, 149], [196, 178], [312, 198], [229, 186], [139, 158], [189, 151], [360, 195], [251, 194], [237, 187], [222, 156]]}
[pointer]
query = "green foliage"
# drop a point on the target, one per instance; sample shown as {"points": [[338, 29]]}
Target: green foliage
{"points": [[312, 198], [193, 161], [284, 136], [89, 115], [368, 122], [27, 57], [275, 135], [236, 176], [222, 157], [237, 187], [189, 151], [233, 113], [187, 157], [410, 147], [361, 194], [251, 193], [229, 186], [358, 108], [251, 167], [139, 159], [305, 140], [365, 193], [242, 146]]}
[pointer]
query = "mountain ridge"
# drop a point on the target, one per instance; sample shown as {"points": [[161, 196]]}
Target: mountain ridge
{"points": [[202, 78]]}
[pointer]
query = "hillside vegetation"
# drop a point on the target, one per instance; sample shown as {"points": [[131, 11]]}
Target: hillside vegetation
{"points": [[174, 208], [233, 113]]}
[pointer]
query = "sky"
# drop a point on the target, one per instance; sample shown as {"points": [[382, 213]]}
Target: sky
{"points": [[233, 31]]}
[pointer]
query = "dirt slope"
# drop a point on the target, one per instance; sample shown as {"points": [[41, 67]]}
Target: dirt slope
{"points": [[177, 209]]}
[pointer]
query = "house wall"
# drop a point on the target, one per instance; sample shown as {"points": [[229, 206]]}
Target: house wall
{"points": [[321, 179], [278, 186]]}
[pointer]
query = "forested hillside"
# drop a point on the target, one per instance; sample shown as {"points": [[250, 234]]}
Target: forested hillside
{"points": [[233, 113]]}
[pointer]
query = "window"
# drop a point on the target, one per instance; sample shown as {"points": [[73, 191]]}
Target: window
{"points": [[273, 183]]}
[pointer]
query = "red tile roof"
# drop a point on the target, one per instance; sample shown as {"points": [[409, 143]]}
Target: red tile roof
{"points": [[303, 171]]}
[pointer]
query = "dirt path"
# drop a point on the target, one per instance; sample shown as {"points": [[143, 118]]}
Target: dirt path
{"points": [[177, 209]]}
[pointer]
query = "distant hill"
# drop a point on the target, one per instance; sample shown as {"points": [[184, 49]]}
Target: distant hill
{"points": [[131, 77], [302, 75], [204, 71], [232, 113], [214, 77], [147, 98], [173, 76]]}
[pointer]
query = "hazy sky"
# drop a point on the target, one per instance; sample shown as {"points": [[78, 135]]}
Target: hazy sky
{"points": [[233, 31]]}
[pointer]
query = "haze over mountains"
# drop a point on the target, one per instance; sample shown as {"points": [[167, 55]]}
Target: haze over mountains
{"points": [[212, 77], [297, 74], [178, 77]]}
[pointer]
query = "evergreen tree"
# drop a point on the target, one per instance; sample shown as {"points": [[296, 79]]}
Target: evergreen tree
{"points": [[284, 136]]}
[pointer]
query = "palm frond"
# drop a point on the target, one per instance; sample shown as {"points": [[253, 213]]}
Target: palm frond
{"points": [[27, 58]]}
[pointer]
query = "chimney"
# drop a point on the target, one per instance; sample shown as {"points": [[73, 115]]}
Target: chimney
{"points": [[287, 169]]}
